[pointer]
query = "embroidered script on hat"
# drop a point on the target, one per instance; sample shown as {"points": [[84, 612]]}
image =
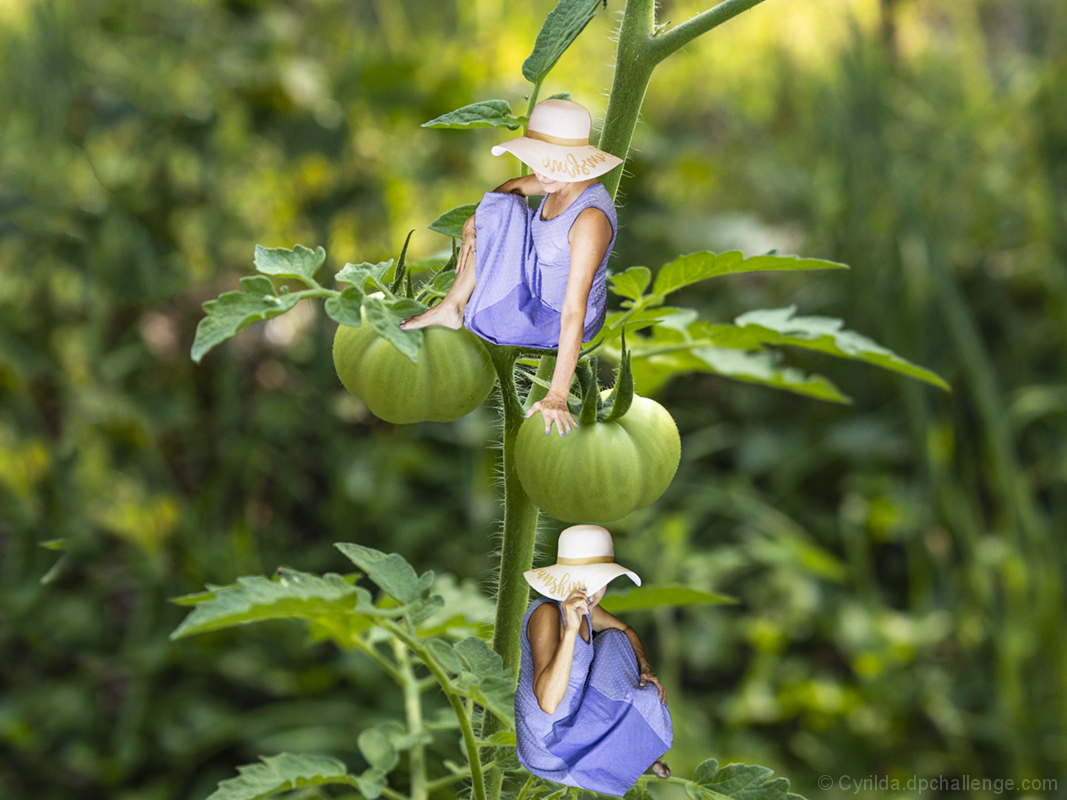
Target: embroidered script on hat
{"points": [[558, 586], [572, 166]]}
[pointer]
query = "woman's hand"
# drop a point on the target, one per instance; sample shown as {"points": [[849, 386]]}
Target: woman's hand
{"points": [[466, 245], [574, 608], [647, 677], [554, 409]]}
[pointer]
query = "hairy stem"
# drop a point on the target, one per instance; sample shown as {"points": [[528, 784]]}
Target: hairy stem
{"points": [[413, 711], [676, 38], [470, 743]]}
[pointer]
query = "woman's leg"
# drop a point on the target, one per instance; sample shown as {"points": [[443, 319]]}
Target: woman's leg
{"points": [[449, 312]]}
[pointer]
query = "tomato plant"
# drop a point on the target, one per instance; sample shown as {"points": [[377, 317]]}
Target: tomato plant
{"points": [[453, 375], [674, 341]]}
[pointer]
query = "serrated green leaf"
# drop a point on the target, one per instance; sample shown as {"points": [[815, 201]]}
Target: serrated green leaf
{"points": [[282, 773], [485, 114], [358, 274], [466, 611], [642, 598], [345, 307], [561, 27], [377, 748], [451, 222], [694, 267], [231, 312], [484, 679], [300, 262], [379, 314], [391, 572], [680, 344], [632, 283], [405, 307], [781, 326], [445, 655], [442, 282], [739, 782], [291, 595]]}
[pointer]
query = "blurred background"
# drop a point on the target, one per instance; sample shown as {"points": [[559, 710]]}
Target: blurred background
{"points": [[898, 562]]}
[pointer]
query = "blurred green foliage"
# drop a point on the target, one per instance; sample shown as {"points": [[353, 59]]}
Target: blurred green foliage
{"points": [[899, 562]]}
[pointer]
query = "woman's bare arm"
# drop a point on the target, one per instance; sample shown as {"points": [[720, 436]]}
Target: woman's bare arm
{"points": [[590, 236], [602, 620], [552, 653], [527, 186]]}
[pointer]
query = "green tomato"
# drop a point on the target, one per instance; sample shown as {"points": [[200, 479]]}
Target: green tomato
{"points": [[453, 376], [599, 472]]}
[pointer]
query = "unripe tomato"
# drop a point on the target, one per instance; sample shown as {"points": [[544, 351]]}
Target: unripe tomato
{"points": [[603, 471], [453, 376]]}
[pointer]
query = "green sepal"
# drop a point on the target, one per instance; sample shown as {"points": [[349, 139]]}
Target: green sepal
{"points": [[589, 390], [622, 393], [398, 276]]}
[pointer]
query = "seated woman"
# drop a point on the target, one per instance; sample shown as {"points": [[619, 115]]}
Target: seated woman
{"points": [[589, 712], [539, 277]]}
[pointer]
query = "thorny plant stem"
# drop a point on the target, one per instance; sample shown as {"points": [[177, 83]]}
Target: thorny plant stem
{"points": [[413, 711], [455, 700]]}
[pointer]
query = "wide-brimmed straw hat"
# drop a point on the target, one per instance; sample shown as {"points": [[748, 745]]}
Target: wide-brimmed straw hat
{"points": [[556, 143], [585, 559]]}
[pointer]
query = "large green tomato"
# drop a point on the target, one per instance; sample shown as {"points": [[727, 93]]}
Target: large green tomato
{"points": [[599, 472], [453, 376]]}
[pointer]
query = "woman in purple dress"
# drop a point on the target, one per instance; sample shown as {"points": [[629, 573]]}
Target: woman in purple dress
{"points": [[589, 712], [539, 278]]}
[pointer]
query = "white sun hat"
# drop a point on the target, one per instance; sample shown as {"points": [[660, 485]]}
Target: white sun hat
{"points": [[585, 559], [556, 143]]}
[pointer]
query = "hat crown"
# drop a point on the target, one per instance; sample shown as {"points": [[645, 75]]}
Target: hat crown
{"points": [[585, 541], [562, 118]]}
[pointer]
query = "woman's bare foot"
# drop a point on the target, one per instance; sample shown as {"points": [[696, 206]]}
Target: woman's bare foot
{"points": [[444, 314], [660, 770]]}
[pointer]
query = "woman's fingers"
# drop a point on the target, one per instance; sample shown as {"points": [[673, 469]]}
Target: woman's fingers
{"points": [[558, 415]]}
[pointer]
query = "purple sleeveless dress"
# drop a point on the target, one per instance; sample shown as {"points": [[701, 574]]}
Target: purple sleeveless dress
{"points": [[606, 731], [521, 265]]}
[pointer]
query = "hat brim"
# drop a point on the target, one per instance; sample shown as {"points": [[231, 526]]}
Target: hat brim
{"points": [[559, 580], [561, 163]]}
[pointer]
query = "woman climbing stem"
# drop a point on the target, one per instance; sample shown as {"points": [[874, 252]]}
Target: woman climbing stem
{"points": [[539, 278]]}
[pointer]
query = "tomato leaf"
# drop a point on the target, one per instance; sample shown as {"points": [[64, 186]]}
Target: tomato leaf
{"points": [[233, 311], [359, 274], [390, 571], [642, 598], [694, 267], [561, 27], [287, 771], [738, 782], [451, 222], [291, 595], [345, 307], [382, 744], [486, 114], [632, 283], [484, 679], [300, 262], [380, 315], [781, 326]]}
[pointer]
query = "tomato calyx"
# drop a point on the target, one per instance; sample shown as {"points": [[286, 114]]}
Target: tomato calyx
{"points": [[594, 404]]}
